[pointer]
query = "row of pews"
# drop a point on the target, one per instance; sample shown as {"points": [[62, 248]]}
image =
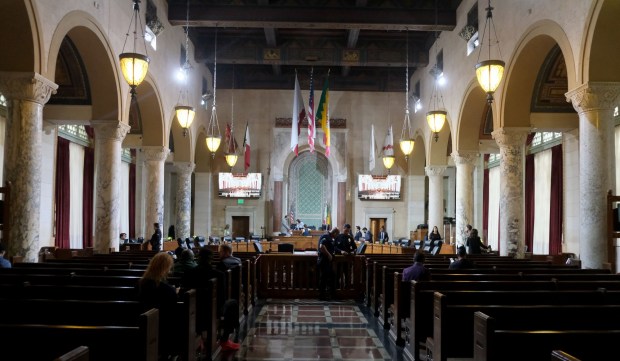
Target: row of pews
{"points": [[505, 309], [88, 304]]}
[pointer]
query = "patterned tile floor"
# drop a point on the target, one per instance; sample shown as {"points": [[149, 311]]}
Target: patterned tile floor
{"points": [[313, 330]]}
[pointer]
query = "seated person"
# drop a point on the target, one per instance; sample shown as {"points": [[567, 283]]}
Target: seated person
{"points": [[227, 261], [185, 262], [462, 261], [417, 272], [306, 231], [4, 263], [123, 238], [474, 243]]}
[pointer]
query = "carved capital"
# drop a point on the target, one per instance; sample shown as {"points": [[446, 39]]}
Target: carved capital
{"points": [[510, 137], [434, 170], [26, 86], [465, 158], [110, 129], [155, 153], [593, 96], [184, 169]]}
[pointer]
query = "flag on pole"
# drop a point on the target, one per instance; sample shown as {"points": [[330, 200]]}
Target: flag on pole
{"points": [[246, 147], [299, 113], [231, 142], [328, 216], [388, 144], [311, 123], [322, 114], [373, 149]]}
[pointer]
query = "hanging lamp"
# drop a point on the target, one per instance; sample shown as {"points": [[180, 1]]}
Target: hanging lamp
{"points": [[134, 65], [406, 140], [489, 72], [214, 137], [231, 155], [436, 116], [185, 113]]}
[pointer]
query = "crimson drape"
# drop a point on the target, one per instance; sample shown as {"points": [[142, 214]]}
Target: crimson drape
{"points": [[63, 194], [485, 200], [555, 219], [132, 201], [529, 202], [88, 194]]}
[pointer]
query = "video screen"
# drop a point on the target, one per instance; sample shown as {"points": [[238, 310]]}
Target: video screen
{"points": [[378, 187], [232, 185]]}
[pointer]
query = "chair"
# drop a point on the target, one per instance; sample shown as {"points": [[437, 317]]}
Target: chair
{"points": [[227, 239], [258, 247], [361, 249], [239, 239], [437, 247], [286, 248]]}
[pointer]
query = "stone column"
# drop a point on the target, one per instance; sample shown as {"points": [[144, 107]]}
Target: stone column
{"points": [[154, 158], [26, 93], [435, 196], [511, 143], [109, 135], [478, 187], [594, 102], [342, 204], [465, 162], [184, 199], [277, 206]]}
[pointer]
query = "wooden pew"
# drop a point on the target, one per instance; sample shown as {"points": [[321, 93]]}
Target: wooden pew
{"points": [[77, 354], [558, 355], [508, 338], [45, 341]]}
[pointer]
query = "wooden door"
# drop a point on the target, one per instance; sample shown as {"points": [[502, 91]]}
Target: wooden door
{"points": [[375, 227], [240, 226]]}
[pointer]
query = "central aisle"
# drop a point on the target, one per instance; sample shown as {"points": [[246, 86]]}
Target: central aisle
{"points": [[311, 330]]}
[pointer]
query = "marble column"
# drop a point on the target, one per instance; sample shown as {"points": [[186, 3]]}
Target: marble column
{"points": [[277, 206], [154, 158], [342, 204], [184, 199], [594, 102], [26, 93], [511, 143], [478, 193], [435, 196], [109, 135], [465, 162]]}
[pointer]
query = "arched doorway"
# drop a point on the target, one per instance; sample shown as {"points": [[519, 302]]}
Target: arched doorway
{"points": [[309, 193]]}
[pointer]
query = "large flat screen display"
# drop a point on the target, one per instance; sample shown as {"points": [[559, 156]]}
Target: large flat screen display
{"points": [[378, 187], [233, 185]]}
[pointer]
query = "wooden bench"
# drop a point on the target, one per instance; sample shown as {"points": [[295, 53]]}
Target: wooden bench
{"points": [[79, 353], [558, 355], [507, 338]]}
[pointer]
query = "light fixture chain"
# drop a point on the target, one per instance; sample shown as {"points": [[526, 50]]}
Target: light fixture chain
{"points": [[139, 20], [215, 68]]}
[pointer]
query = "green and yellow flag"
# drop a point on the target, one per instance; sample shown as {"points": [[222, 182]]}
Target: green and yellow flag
{"points": [[322, 115]]}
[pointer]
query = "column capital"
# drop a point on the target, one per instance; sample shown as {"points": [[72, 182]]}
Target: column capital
{"points": [[433, 170], [26, 86], [465, 157], [184, 168], [510, 137], [110, 129], [155, 153], [593, 96]]}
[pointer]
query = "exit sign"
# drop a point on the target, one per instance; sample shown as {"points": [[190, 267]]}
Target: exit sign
{"points": [[240, 201]]}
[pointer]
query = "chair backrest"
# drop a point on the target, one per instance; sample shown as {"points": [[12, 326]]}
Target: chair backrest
{"points": [[227, 239], [286, 247], [361, 249], [258, 247], [240, 239], [437, 248]]}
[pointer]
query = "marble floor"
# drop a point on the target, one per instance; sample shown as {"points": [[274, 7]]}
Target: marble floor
{"points": [[313, 330]]}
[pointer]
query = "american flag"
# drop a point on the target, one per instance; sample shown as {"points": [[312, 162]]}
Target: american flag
{"points": [[291, 217], [311, 120]]}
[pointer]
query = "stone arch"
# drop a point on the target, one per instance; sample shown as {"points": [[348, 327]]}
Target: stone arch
{"points": [[182, 143], [601, 51], [153, 127], [99, 62], [202, 157], [437, 150], [21, 50], [470, 118], [417, 159], [311, 165], [522, 72]]}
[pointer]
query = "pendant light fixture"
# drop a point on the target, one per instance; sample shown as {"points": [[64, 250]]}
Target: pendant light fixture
{"points": [[231, 155], [214, 137], [436, 116], [134, 65], [185, 113], [489, 72], [406, 140]]}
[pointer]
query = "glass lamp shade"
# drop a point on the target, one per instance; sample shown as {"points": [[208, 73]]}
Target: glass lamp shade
{"points": [[134, 67], [489, 74], [231, 159], [406, 145], [185, 115], [213, 143], [388, 161], [436, 119]]}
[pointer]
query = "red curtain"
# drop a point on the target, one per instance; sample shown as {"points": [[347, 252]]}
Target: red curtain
{"points": [[88, 193], [485, 199], [63, 194], [132, 200], [555, 219], [529, 202]]}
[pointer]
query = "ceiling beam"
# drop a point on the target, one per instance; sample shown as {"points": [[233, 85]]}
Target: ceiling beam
{"points": [[364, 18]]}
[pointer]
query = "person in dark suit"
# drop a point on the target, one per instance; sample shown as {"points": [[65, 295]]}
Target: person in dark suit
{"points": [[474, 243], [327, 251], [383, 236], [462, 262], [367, 235], [156, 238], [358, 234], [417, 272]]}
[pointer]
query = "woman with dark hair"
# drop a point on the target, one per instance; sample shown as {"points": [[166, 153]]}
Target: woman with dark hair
{"points": [[433, 237], [155, 292], [474, 243]]}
